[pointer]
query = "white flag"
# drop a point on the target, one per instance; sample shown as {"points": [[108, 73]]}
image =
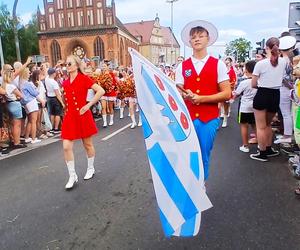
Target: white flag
{"points": [[173, 150]]}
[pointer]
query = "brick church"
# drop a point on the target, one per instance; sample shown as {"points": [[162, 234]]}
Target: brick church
{"points": [[86, 28]]}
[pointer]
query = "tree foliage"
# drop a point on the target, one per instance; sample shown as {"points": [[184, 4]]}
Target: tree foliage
{"points": [[27, 36], [239, 49]]}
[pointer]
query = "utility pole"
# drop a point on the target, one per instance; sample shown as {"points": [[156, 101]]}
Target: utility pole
{"points": [[171, 2], [1, 49], [15, 22]]}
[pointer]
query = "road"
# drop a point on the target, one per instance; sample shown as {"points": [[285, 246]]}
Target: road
{"points": [[254, 204]]}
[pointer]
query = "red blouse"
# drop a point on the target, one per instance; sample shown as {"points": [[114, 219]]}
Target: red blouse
{"points": [[76, 126]]}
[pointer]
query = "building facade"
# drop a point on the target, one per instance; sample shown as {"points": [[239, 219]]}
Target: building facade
{"points": [[157, 43], [86, 28]]}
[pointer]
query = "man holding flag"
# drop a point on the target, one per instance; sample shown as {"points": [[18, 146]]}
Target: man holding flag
{"points": [[204, 83]]}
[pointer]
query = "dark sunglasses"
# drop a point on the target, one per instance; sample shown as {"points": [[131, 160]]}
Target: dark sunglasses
{"points": [[69, 64]]}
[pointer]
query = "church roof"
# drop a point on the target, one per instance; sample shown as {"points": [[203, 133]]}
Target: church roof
{"points": [[143, 29]]}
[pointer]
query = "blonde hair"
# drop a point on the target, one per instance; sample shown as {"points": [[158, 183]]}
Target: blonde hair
{"points": [[24, 74], [7, 74], [78, 62]]}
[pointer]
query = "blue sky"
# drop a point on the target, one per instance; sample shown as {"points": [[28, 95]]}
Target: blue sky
{"points": [[253, 20]]}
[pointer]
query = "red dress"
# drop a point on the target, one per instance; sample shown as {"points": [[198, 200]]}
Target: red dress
{"points": [[76, 126]]}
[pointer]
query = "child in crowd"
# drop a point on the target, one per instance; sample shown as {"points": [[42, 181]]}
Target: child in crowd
{"points": [[246, 112]]}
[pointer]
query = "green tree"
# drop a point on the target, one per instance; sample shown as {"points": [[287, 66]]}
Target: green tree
{"points": [[29, 39], [27, 36], [7, 35], [238, 48]]}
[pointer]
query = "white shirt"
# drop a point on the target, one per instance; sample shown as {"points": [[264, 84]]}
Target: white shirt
{"points": [[198, 65], [10, 88], [248, 94], [16, 82], [269, 76], [51, 86], [42, 91]]}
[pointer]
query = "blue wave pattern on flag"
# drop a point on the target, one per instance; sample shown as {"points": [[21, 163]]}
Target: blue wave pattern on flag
{"points": [[173, 150]]}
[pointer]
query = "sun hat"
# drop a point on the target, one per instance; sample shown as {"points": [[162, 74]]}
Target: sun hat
{"points": [[287, 42], [212, 31]]}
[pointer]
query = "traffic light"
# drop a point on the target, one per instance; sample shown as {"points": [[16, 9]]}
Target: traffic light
{"points": [[261, 44]]}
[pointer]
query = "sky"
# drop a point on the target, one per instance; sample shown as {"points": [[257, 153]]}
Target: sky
{"points": [[253, 20]]}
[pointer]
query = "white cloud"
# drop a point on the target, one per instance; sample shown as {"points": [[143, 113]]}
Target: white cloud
{"points": [[232, 33]]}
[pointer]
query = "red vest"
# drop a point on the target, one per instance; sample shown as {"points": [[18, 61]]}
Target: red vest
{"points": [[206, 83]]}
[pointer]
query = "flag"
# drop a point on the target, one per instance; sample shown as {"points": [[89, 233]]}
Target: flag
{"points": [[173, 150]]}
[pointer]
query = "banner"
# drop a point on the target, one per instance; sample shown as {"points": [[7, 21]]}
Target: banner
{"points": [[173, 150]]}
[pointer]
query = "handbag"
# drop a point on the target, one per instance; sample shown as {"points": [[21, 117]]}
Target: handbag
{"points": [[46, 120]]}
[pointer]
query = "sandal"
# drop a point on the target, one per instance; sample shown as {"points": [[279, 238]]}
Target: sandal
{"points": [[297, 191]]}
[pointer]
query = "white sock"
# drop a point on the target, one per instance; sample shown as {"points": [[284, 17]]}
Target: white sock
{"points": [[71, 167]]}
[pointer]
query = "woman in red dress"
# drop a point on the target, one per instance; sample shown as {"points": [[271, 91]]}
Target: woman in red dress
{"points": [[78, 121]]}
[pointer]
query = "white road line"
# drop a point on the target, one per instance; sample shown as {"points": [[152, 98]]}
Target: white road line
{"points": [[115, 133]]}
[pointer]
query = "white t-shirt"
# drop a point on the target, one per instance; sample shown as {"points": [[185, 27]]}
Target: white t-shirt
{"points": [[269, 76], [42, 91], [248, 94], [16, 82], [10, 88], [51, 86], [198, 65]]}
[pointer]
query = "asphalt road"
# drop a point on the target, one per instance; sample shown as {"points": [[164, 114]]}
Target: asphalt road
{"points": [[254, 204]]}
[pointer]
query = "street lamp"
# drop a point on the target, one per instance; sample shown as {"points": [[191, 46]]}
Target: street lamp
{"points": [[1, 49], [171, 2]]}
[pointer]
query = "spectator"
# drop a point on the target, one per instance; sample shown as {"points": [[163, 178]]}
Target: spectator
{"points": [[286, 45], [267, 77], [30, 101], [54, 100], [246, 112], [13, 96]]}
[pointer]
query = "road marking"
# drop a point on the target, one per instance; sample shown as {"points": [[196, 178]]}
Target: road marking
{"points": [[115, 133]]}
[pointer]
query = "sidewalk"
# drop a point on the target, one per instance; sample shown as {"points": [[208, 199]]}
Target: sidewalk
{"points": [[30, 147]]}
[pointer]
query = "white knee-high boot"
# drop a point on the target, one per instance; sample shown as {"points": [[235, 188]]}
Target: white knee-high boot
{"points": [[104, 117], [111, 120], [133, 125], [121, 113], [90, 169], [72, 175]]}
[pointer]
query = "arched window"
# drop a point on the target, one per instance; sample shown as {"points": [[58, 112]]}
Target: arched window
{"points": [[122, 53], [99, 48], [55, 52]]}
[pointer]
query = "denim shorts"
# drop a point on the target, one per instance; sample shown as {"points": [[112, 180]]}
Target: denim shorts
{"points": [[15, 110]]}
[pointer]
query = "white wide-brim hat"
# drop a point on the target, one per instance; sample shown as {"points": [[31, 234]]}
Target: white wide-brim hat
{"points": [[287, 42], [212, 31]]}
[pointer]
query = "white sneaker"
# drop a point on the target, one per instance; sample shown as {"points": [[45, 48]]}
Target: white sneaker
{"points": [[224, 124], [283, 140], [279, 136], [111, 123], [36, 140], [72, 180], [140, 124], [133, 125], [294, 160], [104, 124], [244, 149], [89, 173], [121, 116], [28, 140]]}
